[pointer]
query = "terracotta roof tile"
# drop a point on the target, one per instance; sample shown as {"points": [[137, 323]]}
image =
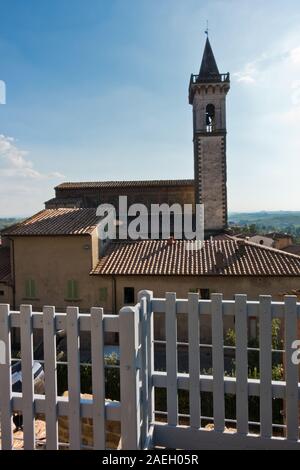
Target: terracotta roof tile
{"points": [[158, 257], [62, 221]]}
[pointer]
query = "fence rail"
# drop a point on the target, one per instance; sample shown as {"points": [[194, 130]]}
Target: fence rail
{"points": [[139, 380]]}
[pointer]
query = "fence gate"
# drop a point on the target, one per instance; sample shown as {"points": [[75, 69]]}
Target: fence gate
{"points": [[193, 433]]}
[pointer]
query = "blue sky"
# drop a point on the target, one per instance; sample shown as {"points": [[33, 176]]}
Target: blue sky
{"points": [[97, 90]]}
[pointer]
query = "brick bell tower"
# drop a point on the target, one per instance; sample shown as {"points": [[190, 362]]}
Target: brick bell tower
{"points": [[207, 95]]}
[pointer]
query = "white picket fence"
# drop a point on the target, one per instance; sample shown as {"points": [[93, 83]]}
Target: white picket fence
{"points": [[138, 378], [193, 437], [52, 406]]}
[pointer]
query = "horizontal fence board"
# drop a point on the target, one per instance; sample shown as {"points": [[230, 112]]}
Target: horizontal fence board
{"points": [[111, 322], [193, 439], [206, 384], [112, 409], [159, 306]]}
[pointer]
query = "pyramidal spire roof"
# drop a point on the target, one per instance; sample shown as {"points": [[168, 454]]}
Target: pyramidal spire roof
{"points": [[209, 68]]}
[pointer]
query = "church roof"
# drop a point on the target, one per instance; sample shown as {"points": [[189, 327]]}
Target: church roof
{"points": [[209, 68], [124, 184]]}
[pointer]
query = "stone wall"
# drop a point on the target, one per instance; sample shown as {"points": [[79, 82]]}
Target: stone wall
{"points": [[210, 168], [113, 429], [92, 197]]}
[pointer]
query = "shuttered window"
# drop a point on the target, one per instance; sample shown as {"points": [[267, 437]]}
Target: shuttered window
{"points": [[30, 289], [72, 290], [103, 294]]}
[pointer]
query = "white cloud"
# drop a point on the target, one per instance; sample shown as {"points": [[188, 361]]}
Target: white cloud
{"points": [[23, 188], [259, 69], [248, 74], [295, 86], [14, 162], [295, 55]]}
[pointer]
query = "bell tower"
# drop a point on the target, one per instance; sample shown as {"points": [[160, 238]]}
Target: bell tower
{"points": [[207, 95]]}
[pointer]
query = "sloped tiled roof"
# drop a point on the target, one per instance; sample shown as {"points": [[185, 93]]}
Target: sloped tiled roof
{"points": [[4, 264], [124, 184], [63, 200], [62, 221], [222, 257]]}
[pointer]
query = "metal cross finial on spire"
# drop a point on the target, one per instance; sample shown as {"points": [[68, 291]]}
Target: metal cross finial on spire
{"points": [[207, 30]]}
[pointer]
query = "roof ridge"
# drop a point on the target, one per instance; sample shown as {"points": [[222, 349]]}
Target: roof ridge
{"points": [[126, 182], [270, 248]]}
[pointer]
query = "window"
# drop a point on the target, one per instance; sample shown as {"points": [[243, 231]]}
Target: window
{"points": [[72, 290], [210, 118], [205, 294], [1, 292], [103, 294], [128, 295], [30, 289]]}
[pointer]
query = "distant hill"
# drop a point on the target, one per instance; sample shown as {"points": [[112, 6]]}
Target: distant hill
{"points": [[4, 223], [278, 220], [264, 222]]}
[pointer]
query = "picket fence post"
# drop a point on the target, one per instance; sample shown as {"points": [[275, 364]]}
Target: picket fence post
{"points": [[130, 378]]}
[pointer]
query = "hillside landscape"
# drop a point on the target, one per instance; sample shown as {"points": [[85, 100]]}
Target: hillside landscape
{"points": [[281, 221], [6, 222]]}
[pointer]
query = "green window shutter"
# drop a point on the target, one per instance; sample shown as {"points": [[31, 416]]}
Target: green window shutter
{"points": [[72, 290], [75, 290], [32, 289], [103, 294], [69, 290], [27, 289]]}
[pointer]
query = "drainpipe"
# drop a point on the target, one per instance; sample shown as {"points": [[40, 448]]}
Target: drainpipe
{"points": [[114, 295], [13, 272]]}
